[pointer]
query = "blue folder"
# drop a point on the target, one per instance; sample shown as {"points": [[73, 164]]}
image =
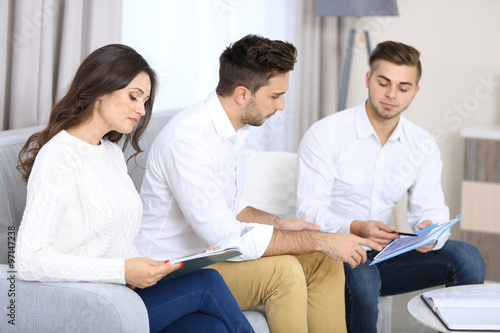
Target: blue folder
{"points": [[407, 243]]}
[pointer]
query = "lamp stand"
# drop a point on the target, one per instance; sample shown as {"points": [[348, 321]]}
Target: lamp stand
{"points": [[347, 65]]}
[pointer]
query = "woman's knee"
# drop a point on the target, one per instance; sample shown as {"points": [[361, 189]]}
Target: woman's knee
{"points": [[210, 274], [210, 277]]}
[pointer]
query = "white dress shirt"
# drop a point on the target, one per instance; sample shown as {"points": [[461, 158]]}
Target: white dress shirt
{"points": [[345, 174], [193, 185]]}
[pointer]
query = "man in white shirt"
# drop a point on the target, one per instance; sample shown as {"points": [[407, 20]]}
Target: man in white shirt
{"points": [[355, 165], [192, 192]]}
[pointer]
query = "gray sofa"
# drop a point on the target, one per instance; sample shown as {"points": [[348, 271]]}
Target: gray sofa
{"points": [[66, 307]]}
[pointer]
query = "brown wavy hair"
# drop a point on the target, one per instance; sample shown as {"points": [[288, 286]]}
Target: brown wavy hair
{"points": [[252, 61], [107, 69]]}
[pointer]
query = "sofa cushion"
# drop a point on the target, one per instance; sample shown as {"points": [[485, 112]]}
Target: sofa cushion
{"points": [[270, 182]]}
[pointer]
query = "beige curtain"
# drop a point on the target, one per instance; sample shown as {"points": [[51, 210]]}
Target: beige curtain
{"points": [[42, 43], [4, 19], [317, 75]]}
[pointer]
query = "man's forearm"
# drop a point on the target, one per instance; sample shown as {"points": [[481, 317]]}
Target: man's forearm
{"points": [[293, 242], [338, 246], [250, 214]]}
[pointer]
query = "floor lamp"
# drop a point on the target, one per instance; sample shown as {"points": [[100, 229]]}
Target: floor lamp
{"points": [[356, 9]]}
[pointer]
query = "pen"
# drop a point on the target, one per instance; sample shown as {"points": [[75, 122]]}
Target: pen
{"points": [[403, 233]]}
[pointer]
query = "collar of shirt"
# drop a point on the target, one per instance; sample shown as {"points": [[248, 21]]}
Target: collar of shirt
{"points": [[223, 126], [364, 128]]}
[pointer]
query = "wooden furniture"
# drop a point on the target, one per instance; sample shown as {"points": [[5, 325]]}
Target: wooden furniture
{"points": [[481, 194]]}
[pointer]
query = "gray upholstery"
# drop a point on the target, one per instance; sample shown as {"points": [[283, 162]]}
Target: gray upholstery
{"points": [[12, 187], [69, 307]]}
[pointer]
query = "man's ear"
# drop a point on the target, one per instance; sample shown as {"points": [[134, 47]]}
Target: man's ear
{"points": [[241, 94], [368, 76], [416, 91]]}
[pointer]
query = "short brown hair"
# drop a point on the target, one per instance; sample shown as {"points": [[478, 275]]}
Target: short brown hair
{"points": [[252, 61], [396, 53]]}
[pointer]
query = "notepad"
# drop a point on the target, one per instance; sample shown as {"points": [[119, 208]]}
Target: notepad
{"points": [[407, 243], [472, 309], [226, 249]]}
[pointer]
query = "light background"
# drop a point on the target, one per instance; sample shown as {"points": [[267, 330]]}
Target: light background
{"points": [[458, 40]]}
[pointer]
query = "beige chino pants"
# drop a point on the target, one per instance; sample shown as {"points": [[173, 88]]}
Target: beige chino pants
{"points": [[303, 293]]}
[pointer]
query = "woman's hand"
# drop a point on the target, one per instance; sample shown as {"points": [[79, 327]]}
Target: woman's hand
{"points": [[142, 272]]}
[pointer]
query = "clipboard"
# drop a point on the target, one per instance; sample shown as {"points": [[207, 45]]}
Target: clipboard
{"points": [[407, 243]]}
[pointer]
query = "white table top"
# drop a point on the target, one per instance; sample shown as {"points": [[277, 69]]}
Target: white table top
{"points": [[486, 132], [421, 312]]}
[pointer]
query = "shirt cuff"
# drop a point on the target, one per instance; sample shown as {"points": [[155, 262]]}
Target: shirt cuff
{"points": [[255, 242], [344, 224], [441, 241]]}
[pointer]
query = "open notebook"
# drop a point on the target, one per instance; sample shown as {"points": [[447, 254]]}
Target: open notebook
{"points": [[470, 309]]}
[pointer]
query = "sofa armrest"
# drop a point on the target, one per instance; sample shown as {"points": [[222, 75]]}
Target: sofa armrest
{"points": [[69, 307]]}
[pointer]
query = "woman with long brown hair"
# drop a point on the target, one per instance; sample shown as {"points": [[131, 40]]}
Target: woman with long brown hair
{"points": [[83, 212]]}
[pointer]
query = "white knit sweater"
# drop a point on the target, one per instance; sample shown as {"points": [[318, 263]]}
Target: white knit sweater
{"points": [[82, 214]]}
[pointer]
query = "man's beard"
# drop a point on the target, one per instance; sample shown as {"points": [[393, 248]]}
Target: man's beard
{"points": [[251, 116]]}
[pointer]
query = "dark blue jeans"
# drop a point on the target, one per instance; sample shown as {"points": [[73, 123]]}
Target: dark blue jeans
{"points": [[457, 263], [195, 302]]}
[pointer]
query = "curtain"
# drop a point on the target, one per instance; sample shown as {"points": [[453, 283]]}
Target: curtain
{"points": [[314, 84], [4, 15], [42, 43], [317, 75]]}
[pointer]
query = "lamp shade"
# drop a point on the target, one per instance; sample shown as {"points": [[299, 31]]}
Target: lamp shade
{"points": [[356, 8]]}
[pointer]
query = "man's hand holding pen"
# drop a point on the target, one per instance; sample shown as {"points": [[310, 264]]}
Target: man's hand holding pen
{"points": [[374, 230]]}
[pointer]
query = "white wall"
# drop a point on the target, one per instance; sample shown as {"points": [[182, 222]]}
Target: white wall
{"points": [[460, 50]]}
